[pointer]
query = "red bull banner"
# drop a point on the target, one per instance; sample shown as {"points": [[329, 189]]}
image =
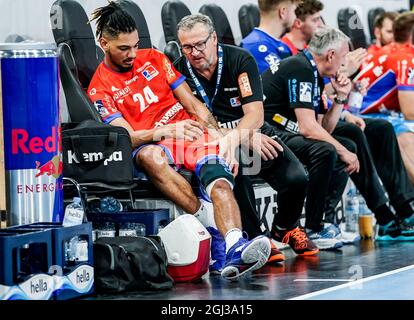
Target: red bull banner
{"points": [[32, 144]]}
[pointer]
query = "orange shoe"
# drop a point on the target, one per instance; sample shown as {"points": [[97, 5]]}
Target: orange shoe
{"points": [[275, 254], [297, 239]]}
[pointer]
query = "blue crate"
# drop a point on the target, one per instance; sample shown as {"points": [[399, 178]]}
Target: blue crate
{"points": [[25, 260], [151, 218], [70, 281]]}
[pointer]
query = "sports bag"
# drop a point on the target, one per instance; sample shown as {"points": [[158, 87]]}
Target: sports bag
{"points": [[99, 153], [130, 264]]}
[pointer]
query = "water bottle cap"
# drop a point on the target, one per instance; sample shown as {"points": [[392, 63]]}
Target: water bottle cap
{"points": [[77, 200]]}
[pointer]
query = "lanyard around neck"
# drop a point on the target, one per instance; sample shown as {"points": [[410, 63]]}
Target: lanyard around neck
{"points": [[316, 93], [200, 89]]}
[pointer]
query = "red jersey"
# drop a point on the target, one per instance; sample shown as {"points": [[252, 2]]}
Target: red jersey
{"points": [[291, 46], [371, 51], [390, 70], [143, 96]]}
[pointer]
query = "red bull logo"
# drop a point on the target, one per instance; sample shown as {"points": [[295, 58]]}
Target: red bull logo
{"points": [[23, 143], [53, 168]]}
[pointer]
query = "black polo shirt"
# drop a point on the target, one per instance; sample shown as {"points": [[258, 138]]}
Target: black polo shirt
{"points": [[291, 87], [240, 84]]}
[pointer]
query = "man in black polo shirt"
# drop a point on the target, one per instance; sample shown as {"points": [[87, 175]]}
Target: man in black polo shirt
{"points": [[294, 104], [227, 80]]}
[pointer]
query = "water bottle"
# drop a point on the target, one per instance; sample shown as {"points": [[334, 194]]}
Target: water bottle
{"points": [[76, 250], [355, 98], [106, 230], [140, 229], [110, 205], [351, 211], [74, 213], [127, 230]]}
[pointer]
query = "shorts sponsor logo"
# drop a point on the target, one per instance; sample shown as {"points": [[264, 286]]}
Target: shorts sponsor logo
{"points": [[244, 85]]}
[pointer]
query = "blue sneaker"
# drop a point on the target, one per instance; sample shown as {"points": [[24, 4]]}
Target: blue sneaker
{"points": [[246, 256], [218, 251], [326, 238], [395, 231], [343, 236]]}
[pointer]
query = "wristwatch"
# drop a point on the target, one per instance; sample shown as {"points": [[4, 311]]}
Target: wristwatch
{"points": [[340, 101]]}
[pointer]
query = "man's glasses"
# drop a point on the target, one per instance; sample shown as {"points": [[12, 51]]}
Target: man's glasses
{"points": [[188, 49]]}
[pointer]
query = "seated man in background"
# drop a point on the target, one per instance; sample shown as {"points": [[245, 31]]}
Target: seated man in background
{"points": [[370, 141], [276, 17], [227, 80], [293, 100], [141, 91], [383, 32], [308, 19], [390, 91]]}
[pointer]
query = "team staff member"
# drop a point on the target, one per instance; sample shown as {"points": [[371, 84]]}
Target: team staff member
{"points": [[294, 97], [141, 91], [226, 79]]}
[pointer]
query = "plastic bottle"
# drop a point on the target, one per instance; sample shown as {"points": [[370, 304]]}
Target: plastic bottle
{"points": [[355, 98], [74, 213], [140, 229], [127, 230], [110, 205], [76, 250], [106, 230], [351, 211]]}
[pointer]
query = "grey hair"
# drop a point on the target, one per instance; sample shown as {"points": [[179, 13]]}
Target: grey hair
{"points": [[326, 38], [188, 22]]}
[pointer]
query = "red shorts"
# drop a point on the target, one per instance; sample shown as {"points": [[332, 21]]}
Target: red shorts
{"points": [[189, 154]]}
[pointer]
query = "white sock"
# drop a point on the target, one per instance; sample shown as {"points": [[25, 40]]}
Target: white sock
{"points": [[205, 215], [232, 237]]}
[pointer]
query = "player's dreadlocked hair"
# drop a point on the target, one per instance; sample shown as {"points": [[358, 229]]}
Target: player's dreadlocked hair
{"points": [[112, 20]]}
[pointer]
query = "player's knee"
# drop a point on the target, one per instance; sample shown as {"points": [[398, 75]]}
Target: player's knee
{"points": [[151, 156]]}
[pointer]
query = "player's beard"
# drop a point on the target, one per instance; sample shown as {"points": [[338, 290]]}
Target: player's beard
{"points": [[117, 65]]}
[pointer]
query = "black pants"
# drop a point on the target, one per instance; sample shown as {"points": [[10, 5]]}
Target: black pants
{"points": [[287, 176], [381, 166], [326, 173]]}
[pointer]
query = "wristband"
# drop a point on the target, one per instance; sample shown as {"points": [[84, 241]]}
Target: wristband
{"points": [[340, 101]]}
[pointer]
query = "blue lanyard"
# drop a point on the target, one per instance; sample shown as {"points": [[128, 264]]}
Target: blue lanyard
{"points": [[316, 93], [200, 88]]}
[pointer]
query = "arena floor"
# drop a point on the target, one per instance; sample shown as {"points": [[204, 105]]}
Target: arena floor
{"points": [[367, 270]]}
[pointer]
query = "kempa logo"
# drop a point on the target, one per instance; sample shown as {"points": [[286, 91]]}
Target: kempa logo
{"points": [[95, 156]]}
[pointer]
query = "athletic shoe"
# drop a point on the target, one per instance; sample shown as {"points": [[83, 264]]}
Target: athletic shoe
{"points": [[325, 239], [218, 251], [395, 231], [343, 236], [246, 256], [297, 240], [275, 254]]}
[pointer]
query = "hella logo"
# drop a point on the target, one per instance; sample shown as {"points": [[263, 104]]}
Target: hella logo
{"points": [[82, 277]]}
